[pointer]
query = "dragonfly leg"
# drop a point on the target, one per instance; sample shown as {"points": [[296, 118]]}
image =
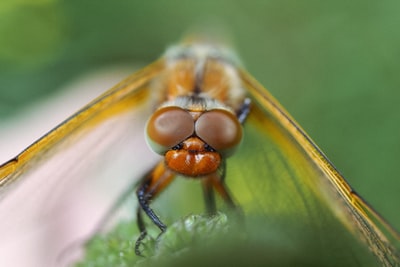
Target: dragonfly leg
{"points": [[142, 229], [218, 184], [216, 181], [153, 184], [209, 197], [244, 110]]}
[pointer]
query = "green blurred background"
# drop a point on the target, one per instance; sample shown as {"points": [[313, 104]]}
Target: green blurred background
{"points": [[333, 65]]}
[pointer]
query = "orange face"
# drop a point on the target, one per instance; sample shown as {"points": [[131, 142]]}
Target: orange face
{"points": [[192, 158]]}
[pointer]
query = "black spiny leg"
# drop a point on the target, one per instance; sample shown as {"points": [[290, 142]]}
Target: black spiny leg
{"points": [[151, 186], [142, 229]]}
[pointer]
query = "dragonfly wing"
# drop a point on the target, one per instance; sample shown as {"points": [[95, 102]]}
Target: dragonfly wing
{"points": [[55, 192], [291, 180]]}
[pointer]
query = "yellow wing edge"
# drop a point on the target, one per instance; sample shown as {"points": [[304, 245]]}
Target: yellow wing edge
{"points": [[314, 152], [122, 89]]}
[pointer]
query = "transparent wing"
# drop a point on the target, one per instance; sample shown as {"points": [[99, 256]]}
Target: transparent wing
{"points": [[290, 181], [55, 192], [297, 207]]}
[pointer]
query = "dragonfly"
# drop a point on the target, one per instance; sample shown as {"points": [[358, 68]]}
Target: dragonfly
{"points": [[207, 120]]}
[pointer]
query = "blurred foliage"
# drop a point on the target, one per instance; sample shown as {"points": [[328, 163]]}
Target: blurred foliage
{"points": [[214, 241], [118, 247], [333, 64]]}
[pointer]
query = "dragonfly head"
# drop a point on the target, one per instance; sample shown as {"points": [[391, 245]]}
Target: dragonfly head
{"points": [[193, 144]]}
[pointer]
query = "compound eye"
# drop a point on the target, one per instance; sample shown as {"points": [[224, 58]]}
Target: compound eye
{"points": [[167, 127], [220, 129]]}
